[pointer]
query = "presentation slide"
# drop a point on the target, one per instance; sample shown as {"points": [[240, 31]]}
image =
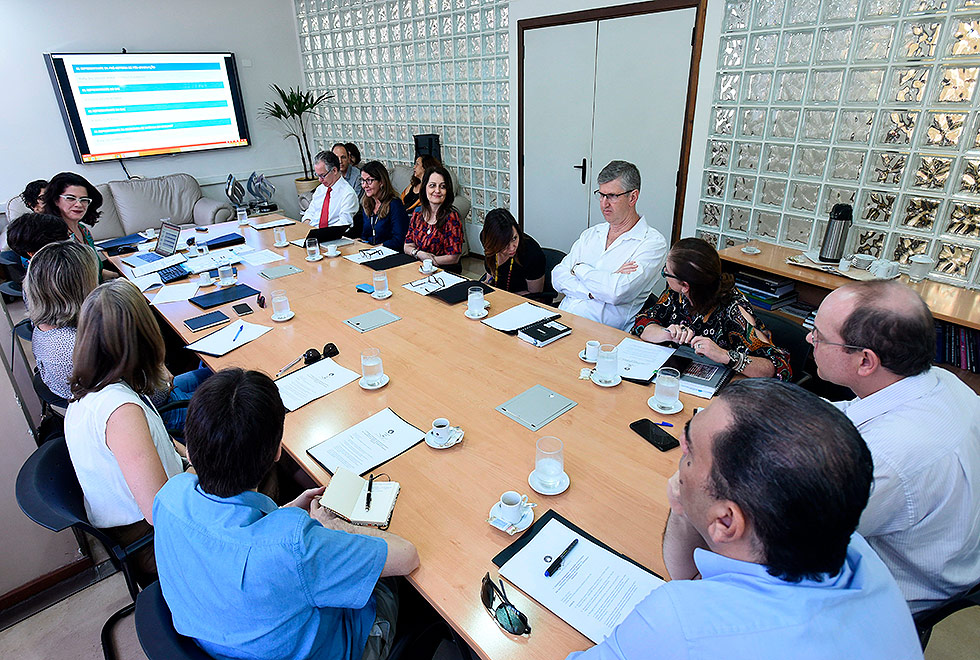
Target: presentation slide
{"points": [[140, 105]]}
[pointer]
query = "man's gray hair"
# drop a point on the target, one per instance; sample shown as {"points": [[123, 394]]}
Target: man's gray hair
{"points": [[620, 169], [329, 159]]}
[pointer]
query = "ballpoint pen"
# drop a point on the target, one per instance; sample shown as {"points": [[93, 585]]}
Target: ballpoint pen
{"points": [[240, 328], [555, 565], [288, 366], [367, 500], [664, 424]]}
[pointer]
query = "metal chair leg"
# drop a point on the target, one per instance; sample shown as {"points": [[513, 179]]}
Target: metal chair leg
{"points": [[107, 650]]}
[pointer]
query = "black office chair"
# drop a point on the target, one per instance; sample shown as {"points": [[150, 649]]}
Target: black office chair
{"points": [[791, 336], [24, 329], [155, 629], [48, 493], [924, 621], [12, 289], [552, 258]]}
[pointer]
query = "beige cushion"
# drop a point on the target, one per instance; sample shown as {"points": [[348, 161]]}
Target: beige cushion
{"points": [[142, 203]]}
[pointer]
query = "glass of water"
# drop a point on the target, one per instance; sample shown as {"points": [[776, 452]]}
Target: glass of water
{"points": [[242, 216], [280, 234], [549, 461], [280, 303], [380, 284], [474, 300], [607, 364], [312, 248], [668, 389], [371, 367]]}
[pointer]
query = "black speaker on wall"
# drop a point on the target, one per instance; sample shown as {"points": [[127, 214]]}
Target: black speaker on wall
{"points": [[428, 144]]}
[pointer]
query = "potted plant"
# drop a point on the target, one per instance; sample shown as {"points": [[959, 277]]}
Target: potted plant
{"points": [[294, 108]]}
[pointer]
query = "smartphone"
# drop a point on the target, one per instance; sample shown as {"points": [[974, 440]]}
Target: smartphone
{"points": [[242, 309], [365, 288], [655, 435], [204, 321]]}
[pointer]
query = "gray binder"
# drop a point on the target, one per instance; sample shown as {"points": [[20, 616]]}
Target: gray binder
{"points": [[536, 407], [371, 320]]}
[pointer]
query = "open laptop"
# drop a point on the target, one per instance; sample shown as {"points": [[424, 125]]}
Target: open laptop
{"points": [[166, 246], [331, 235]]}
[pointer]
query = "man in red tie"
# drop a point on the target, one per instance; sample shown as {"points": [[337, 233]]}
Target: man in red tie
{"points": [[334, 202]]}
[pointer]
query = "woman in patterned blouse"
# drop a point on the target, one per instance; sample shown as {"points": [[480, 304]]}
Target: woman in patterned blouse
{"points": [[436, 231], [76, 201], [702, 307]]}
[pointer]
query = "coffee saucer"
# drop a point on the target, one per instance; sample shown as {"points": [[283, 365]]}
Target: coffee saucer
{"points": [[455, 437], [281, 245], [211, 282], [279, 318], [751, 249], [616, 381], [232, 282], [478, 315], [563, 481], [365, 386], [678, 406], [428, 272], [581, 356], [334, 256], [316, 258], [384, 296], [511, 528]]}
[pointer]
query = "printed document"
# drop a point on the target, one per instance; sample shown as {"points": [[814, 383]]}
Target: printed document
{"points": [[313, 381], [592, 591], [147, 281], [640, 359], [261, 257], [434, 282], [228, 338], [175, 293], [377, 439], [369, 254], [519, 317]]}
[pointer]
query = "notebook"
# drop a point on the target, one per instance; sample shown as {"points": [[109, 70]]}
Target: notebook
{"points": [[346, 495], [543, 333], [535, 407], [520, 317]]}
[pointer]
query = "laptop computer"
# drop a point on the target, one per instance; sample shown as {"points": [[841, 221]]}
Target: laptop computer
{"points": [[166, 246]]}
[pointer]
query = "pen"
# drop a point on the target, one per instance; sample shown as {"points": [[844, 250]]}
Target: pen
{"points": [[555, 565], [287, 367], [664, 424], [367, 500], [240, 328]]}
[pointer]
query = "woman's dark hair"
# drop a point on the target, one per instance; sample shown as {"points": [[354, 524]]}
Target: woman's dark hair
{"points": [[696, 263], [233, 430], [57, 185], [447, 206], [32, 193], [353, 153], [386, 193], [498, 229], [30, 232], [427, 162]]}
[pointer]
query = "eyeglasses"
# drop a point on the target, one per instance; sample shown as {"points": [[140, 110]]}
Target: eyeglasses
{"points": [[818, 339], [367, 181], [664, 274], [375, 252], [432, 279], [508, 617], [612, 197], [324, 176], [71, 199]]}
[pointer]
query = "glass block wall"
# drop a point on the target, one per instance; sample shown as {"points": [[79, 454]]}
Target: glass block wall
{"points": [[403, 67], [871, 103]]}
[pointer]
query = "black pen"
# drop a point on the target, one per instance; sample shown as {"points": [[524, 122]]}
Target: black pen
{"points": [[555, 565], [367, 500]]}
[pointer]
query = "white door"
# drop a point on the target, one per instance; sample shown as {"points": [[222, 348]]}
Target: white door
{"points": [[642, 68], [559, 85]]}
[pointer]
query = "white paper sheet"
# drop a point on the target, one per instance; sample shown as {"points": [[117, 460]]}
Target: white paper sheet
{"points": [[640, 359], [593, 591], [369, 254], [210, 262], [147, 281], [261, 257], [285, 222], [159, 265], [435, 282], [313, 381], [377, 439], [175, 293], [223, 341], [518, 317]]}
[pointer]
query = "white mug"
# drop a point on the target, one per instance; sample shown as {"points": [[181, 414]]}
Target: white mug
{"points": [[919, 267], [151, 233], [512, 506], [592, 350], [844, 265], [441, 430], [333, 250], [427, 265]]}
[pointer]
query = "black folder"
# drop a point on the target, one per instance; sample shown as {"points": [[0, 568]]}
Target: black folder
{"points": [[225, 241], [222, 296], [391, 261], [460, 291]]}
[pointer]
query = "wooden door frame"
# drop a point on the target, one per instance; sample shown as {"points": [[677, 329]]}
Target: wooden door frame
{"points": [[620, 11]]}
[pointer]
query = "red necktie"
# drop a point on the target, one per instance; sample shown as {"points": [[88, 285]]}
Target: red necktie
{"points": [[325, 211]]}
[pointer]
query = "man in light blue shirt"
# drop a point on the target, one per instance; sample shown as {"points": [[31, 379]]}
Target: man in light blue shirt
{"points": [[768, 493], [248, 579]]}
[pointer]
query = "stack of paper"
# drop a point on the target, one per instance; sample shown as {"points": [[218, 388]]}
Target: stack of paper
{"points": [[175, 293], [159, 264], [313, 381], [639, 360], [518, 318], [369, 254], [285, 222], [229, 338]]}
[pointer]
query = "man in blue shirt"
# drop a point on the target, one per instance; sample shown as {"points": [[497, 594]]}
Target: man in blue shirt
{"points": [[248, 579], [769, 490]]}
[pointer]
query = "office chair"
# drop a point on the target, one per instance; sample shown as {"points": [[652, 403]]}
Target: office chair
{"points": [[924, 621], [552, 258], [791, 336], [155, 629], [49, 494], [13, 289]]}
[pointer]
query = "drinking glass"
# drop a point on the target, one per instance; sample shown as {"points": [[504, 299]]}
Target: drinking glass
{"points": [[549, 461], [280, 303], [280, 234], [312, 248], [380, 284], [474, 300], [667, 389], [371, 367], [242, 216], [607, 364]]}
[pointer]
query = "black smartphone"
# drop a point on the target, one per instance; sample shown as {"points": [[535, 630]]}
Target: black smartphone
{"points": [[242, 309], [208, 320], [655, 435]]}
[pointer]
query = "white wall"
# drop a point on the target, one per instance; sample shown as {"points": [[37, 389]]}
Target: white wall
{"points": [[261, 33]]}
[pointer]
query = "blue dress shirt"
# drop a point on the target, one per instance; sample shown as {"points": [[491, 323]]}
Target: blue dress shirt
{"points": [[738, 611], [247, 579], [388, 231]]}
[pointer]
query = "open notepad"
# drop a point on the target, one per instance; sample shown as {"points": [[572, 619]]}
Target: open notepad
{"points": [[346, 495], [521, 317]]}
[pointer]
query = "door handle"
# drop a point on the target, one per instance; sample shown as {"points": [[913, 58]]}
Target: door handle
{"points": [[581, 167]]}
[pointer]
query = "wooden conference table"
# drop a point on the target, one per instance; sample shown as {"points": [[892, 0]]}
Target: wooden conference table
{"points": [[443, 364]]}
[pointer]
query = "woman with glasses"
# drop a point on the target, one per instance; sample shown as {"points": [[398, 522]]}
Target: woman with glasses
{"points": [[701, 307], [436, 231], [411, 195], [385, 220], [514, 260], [76, 201]]}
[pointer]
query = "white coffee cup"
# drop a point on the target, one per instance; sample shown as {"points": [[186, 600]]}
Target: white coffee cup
{"points": [[333, 250], [151, 233], [441, 430], [844, 265], [204, 279], [512, 506], [919, 267], [427, 265], [592, 350], [863, 261]]}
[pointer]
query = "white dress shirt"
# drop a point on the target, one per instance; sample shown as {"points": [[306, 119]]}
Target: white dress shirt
{"points": [[595, 290], [343, 204], [923, 518]]}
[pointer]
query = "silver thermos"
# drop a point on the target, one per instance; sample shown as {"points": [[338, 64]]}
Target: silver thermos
{"points": [[836, 235]]}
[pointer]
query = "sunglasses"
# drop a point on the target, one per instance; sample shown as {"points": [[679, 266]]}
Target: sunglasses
{"points": [[508, 617], [313, 355]]}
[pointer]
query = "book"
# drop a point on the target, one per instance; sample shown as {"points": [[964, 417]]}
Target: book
{"points": [[699, 375], [770, 284], [758, 294], [346, 495], [543, 333]]}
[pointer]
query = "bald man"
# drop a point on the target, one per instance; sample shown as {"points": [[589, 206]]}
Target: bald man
{"points": [[922, 425]]}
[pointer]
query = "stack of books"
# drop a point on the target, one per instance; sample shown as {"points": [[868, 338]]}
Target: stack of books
{"points": [[766, 291], [957, 346]]}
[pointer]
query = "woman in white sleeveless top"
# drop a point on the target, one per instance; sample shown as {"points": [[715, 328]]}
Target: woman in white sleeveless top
{"points": [[119, 446]]}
